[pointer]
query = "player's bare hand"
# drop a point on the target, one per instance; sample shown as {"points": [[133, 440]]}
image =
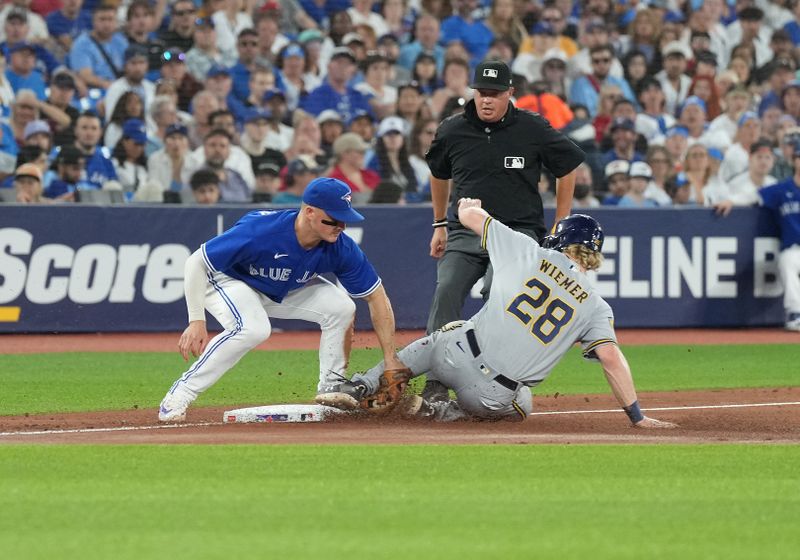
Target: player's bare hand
{"points": [[465, 203], [193, 340], [652, 423], [438, 242]]}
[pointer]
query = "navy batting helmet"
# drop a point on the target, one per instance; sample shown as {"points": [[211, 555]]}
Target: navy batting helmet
{"points": [[577, 228]]}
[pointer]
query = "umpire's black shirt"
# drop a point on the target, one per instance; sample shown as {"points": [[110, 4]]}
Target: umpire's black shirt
{"points": [[500, 163]]}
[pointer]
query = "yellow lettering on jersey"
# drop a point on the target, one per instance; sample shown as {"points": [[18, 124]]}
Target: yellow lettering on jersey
{"points": [[573, 288]]}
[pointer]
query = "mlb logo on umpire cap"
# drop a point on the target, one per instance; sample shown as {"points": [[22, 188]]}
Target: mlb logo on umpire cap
{"points": [[492, 74]]}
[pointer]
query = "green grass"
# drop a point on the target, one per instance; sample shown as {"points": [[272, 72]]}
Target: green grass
{"points": [[106, 381], [583, 502]]}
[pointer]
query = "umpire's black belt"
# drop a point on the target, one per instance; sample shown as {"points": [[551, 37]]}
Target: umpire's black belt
{"points": [[506, 382]]}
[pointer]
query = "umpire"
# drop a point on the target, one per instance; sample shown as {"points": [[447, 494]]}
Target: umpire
{"points": [[493, 152]]}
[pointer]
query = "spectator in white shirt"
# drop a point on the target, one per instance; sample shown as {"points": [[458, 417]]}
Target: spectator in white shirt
{"points": [[737, 100], [166, 166], [229, 22], [674, 81], [743, 189], [737, 156], [133, 79]]}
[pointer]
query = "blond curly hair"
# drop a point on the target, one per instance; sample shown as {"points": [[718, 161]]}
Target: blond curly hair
{"points": [[588, 259]]}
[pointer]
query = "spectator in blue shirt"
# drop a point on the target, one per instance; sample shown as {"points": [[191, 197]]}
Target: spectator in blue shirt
{"points": [[70, 163], [473, 34], [623, 138], [99, 168], [427, 33], [17, 30], [321, 13], [585, 90], [98, 55], [247, 47], [335, 93], [793, 27], [66, 24], [22, 73]]}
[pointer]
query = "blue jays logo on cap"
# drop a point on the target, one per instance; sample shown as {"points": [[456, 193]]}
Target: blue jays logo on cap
{"points": [[334, 197]]}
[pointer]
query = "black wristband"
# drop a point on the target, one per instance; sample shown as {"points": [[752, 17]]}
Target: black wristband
{"points": [[634, 412], [439, 223]]}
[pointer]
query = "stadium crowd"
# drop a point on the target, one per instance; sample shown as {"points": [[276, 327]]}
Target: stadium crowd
{"points": [[674, 103]]}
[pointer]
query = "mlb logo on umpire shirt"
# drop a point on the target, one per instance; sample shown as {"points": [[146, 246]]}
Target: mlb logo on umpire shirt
{"points": [[489, 73], [514, 162]]}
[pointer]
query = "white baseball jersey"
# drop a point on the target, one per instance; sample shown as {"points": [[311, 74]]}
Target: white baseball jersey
{"points": [[539, 306]]}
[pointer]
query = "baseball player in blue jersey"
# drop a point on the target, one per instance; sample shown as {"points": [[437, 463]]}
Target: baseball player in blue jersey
{"points": [[783, 199], [540, 304], [268, 265]]}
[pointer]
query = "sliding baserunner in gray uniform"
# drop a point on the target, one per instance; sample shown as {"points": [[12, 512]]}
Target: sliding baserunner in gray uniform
{"points": [[540, 304]]}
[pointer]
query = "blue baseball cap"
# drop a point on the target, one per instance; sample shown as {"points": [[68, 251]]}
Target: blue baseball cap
{"points": [[716, 154], [135, 51], [176, 128], [274, 92], [332, 196], [218, 70], [747, 116], [622, 122], [694, 100], [543, 28], [678, 131], [674, 17], [21, 46], [361, 114], [135, 130], [293, 50], [255, 114]]}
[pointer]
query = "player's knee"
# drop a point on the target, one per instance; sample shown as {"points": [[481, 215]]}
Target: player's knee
{"points": [[340, 312], [253, 335]]}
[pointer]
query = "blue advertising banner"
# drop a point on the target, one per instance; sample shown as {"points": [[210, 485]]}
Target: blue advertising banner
{"points": [[120, 268]]}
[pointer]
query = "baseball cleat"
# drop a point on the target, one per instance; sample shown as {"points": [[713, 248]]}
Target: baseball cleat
{"points": [[173, 408], [345, 395], [793, 324]]}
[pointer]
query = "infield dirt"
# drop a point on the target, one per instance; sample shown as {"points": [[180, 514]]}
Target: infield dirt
{"points": [[718, 416]]}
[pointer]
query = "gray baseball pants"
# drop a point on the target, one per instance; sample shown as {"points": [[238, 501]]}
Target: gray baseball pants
{"points": [[451, 356]]}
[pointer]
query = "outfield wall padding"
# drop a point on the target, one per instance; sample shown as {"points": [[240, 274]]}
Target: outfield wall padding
{"points": [[79, 268]]}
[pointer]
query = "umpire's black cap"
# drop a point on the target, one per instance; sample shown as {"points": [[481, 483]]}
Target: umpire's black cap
{"points": [[492, 74]]}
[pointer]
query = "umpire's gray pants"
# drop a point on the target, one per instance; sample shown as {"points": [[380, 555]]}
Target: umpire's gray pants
{"points": [[447, 356], [464, 262]]}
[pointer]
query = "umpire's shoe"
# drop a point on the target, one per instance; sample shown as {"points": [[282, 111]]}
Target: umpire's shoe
{"points": [[345, 395]]}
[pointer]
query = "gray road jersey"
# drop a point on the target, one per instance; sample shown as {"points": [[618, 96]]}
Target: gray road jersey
{"points": [[539, 306]]}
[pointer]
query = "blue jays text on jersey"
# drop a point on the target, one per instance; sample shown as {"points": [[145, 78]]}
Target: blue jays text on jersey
{"points": [[262, 251], [99, 168]]}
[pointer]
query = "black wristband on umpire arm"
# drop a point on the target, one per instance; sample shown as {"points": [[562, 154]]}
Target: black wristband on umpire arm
{"points": [[634, 412]]}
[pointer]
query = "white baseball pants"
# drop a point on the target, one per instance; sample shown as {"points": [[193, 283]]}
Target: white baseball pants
{"points": [[245, 315], [789, 266]]}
